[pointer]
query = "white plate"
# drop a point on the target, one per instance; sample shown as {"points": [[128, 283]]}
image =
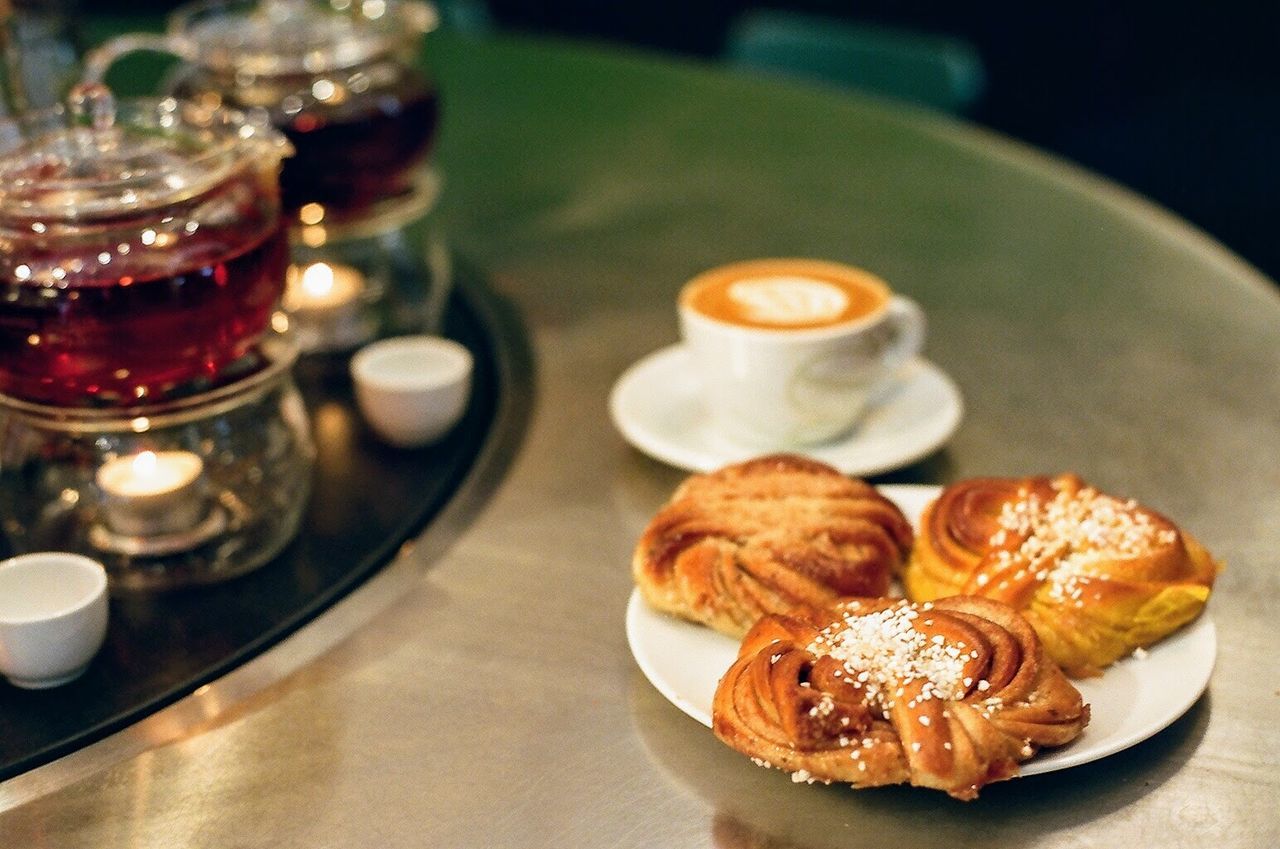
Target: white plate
{"points": [[657, 406], [1132, 701]]}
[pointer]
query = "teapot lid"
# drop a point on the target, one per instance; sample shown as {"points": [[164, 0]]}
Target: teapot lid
{"points": [[273, 37], [94, 158]]}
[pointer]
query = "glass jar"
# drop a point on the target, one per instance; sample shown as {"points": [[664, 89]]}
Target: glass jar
{"points": [[190, 491], [141, 249], [339, 78]]}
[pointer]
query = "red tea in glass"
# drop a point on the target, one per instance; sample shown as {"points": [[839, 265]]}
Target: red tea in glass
{"points": [[348, 159], [341, 81], [137, 264]]}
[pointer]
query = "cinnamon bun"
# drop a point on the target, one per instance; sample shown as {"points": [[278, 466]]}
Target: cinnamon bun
{"points": [[767, 536], [1096, 576], [950, 695]]}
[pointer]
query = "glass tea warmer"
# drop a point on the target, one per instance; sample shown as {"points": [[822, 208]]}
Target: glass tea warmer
{"points": [[190, 491], [148, 415], [341, 79]]}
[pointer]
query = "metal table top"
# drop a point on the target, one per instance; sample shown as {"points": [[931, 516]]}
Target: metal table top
{"points": [[480, 691]]}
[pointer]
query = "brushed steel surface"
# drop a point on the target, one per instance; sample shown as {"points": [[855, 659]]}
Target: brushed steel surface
{"points": [[490, 700]]}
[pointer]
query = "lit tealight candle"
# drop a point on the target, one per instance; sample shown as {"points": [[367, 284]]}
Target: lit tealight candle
{"points": [[321, 287], [153, 493], [324, 300]]}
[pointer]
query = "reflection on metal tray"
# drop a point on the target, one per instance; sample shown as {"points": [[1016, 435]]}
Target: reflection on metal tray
{"points": [[368, 499]]}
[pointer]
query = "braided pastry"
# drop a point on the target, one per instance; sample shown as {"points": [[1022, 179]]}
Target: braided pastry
{"points": [[950, 695], [1095, 576], [766, 536]]}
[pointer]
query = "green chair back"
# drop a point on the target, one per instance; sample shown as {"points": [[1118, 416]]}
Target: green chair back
{"points": [[934, 71]]}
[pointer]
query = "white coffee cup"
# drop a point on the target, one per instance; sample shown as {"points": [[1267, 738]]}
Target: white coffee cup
{"points": [[790, 352], [53, 617], [412, 389]]}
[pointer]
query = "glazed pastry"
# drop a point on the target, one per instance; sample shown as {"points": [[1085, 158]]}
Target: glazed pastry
{"points": [[950, 695], [765, 536], [1097, 577]]}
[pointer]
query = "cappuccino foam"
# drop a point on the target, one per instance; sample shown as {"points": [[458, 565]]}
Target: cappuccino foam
{"points": [[785, 294]]}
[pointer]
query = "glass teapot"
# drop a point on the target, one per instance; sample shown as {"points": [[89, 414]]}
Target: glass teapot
{"points": [[141, 248], [338, 77]]}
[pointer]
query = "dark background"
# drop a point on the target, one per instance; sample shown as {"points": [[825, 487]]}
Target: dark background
{"points": [[1178, 101]]}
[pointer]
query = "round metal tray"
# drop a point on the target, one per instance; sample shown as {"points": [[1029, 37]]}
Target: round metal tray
{"points": [[368, 500]]}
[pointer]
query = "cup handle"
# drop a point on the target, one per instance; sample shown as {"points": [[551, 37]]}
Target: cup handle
{"points": [[101, 58], [908, 323]]}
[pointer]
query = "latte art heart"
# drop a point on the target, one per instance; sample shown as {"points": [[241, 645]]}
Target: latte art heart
{"points": [[786, 294], [788, 300]]}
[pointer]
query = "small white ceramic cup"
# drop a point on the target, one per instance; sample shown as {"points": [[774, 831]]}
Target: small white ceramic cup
{"points": [[53, 617], [412, 389], [790, 352]]}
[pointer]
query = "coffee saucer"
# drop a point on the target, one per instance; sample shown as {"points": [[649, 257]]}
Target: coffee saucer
{"points": [[657, 406]]}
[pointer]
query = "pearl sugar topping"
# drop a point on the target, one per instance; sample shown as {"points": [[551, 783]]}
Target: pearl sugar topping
{"points": [[883, 650]]}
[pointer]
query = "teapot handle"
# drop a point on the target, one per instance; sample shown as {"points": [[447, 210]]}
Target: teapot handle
{"points": [[101, 58]]}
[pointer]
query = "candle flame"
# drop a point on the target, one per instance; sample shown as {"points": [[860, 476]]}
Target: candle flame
{"points": [[144, 465], [317, 279]]}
